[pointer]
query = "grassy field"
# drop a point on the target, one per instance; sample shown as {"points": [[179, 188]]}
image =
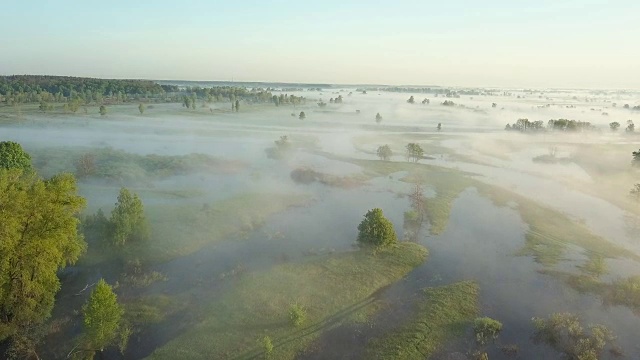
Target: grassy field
{"points": [[331, 289], [443, 313]]}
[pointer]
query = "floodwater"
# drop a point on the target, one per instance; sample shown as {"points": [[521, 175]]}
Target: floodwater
{"points": [[479, 243]]}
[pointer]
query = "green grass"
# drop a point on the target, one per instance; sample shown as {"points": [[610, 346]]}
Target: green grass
{"points": [[443, 313], [331, 289], [184, 229], [551, 231]]}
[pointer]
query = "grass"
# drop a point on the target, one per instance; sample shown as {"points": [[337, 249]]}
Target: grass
{"points": [[331, 289], [444, 313], [551, 231], [184, 229]]}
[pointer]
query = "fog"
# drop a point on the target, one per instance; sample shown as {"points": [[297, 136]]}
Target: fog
{"points": [[521, 228]]}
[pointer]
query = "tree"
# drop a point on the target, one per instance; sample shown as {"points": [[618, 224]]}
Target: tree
{"points": [[127, 219], [636, 157], [102, 316], [614, 126], [448, 103], [414, 152], [384, 152], [376, 230], [13, 157], [494, 105], [39, 238], [425, 101], [486, 329], [297, 315], [439, 126], [237, 105], [141, 108], [635, 192], [630, 126], [302, 115], [378, 118], [411, 100], [86, 166], [103, 110]]}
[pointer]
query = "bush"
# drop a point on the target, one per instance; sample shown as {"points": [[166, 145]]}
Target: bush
{"points": [[486, 329], [297, 315]]}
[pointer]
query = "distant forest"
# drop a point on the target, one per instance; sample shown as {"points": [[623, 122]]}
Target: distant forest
{"points": [[43, 89]]}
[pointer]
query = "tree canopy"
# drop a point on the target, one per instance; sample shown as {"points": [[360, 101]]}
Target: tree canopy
{"points": [[384, 152], [378, 118], [39, 237], [376, 230], [414, 152], [102, 316], [128, 221], [13, 157]]}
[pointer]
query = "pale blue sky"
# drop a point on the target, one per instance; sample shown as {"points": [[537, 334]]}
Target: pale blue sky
{"points": [[463, 43]]}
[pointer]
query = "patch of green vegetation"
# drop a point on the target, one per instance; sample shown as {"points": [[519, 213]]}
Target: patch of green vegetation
{"points": [[486, 329], [118, 165], [332, 289], [443, 314], [551, 231]]}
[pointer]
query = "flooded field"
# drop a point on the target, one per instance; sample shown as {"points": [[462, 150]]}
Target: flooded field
{"points": [[248, 227]]}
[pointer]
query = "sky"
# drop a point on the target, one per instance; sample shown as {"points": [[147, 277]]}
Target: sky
{"points": [[491, 43]]}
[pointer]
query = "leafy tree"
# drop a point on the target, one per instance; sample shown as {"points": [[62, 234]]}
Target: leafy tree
{"points": [[102, 316], [39, 237], [425, 101], [411, 100], [13, 157], [384, 152], [439, 127], [595, 266], [376, 230], [267, 346], [448, 103], [103, 110], [494, 105], [614, 126], [414, 152], [631, 127], [378, 118], [141, 108], [302, 115], [635, 192], [86, 166], [237, 105], [127, 219]]}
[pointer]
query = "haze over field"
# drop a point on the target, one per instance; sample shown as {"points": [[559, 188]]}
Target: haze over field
{"points": [[250, 204]]}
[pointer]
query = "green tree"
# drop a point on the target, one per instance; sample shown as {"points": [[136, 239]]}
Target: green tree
{"points": [[614, 126], [13, 157], [486, 329], [237, 105], [38, 238], [411, 100], [302, 115], [384, 152], [103, 110], [267, 346], [297, 315], [378, 118], [141, 108], [414, 152], [439, 127], [128, 221], [376, 230], [102, 316], [631, 127]]}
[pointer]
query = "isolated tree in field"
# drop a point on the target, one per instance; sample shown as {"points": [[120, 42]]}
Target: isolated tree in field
{"points": [[425, 101], [13, 157], [103, 110], [439, 126], [614, 126], [141, 108], [376, 230], [127, 219], [384, 152], [494, 105], [39, 238], [378, 118], [631, 127], [302, 115], [102, 316], [411, 100], [414, 152]]}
